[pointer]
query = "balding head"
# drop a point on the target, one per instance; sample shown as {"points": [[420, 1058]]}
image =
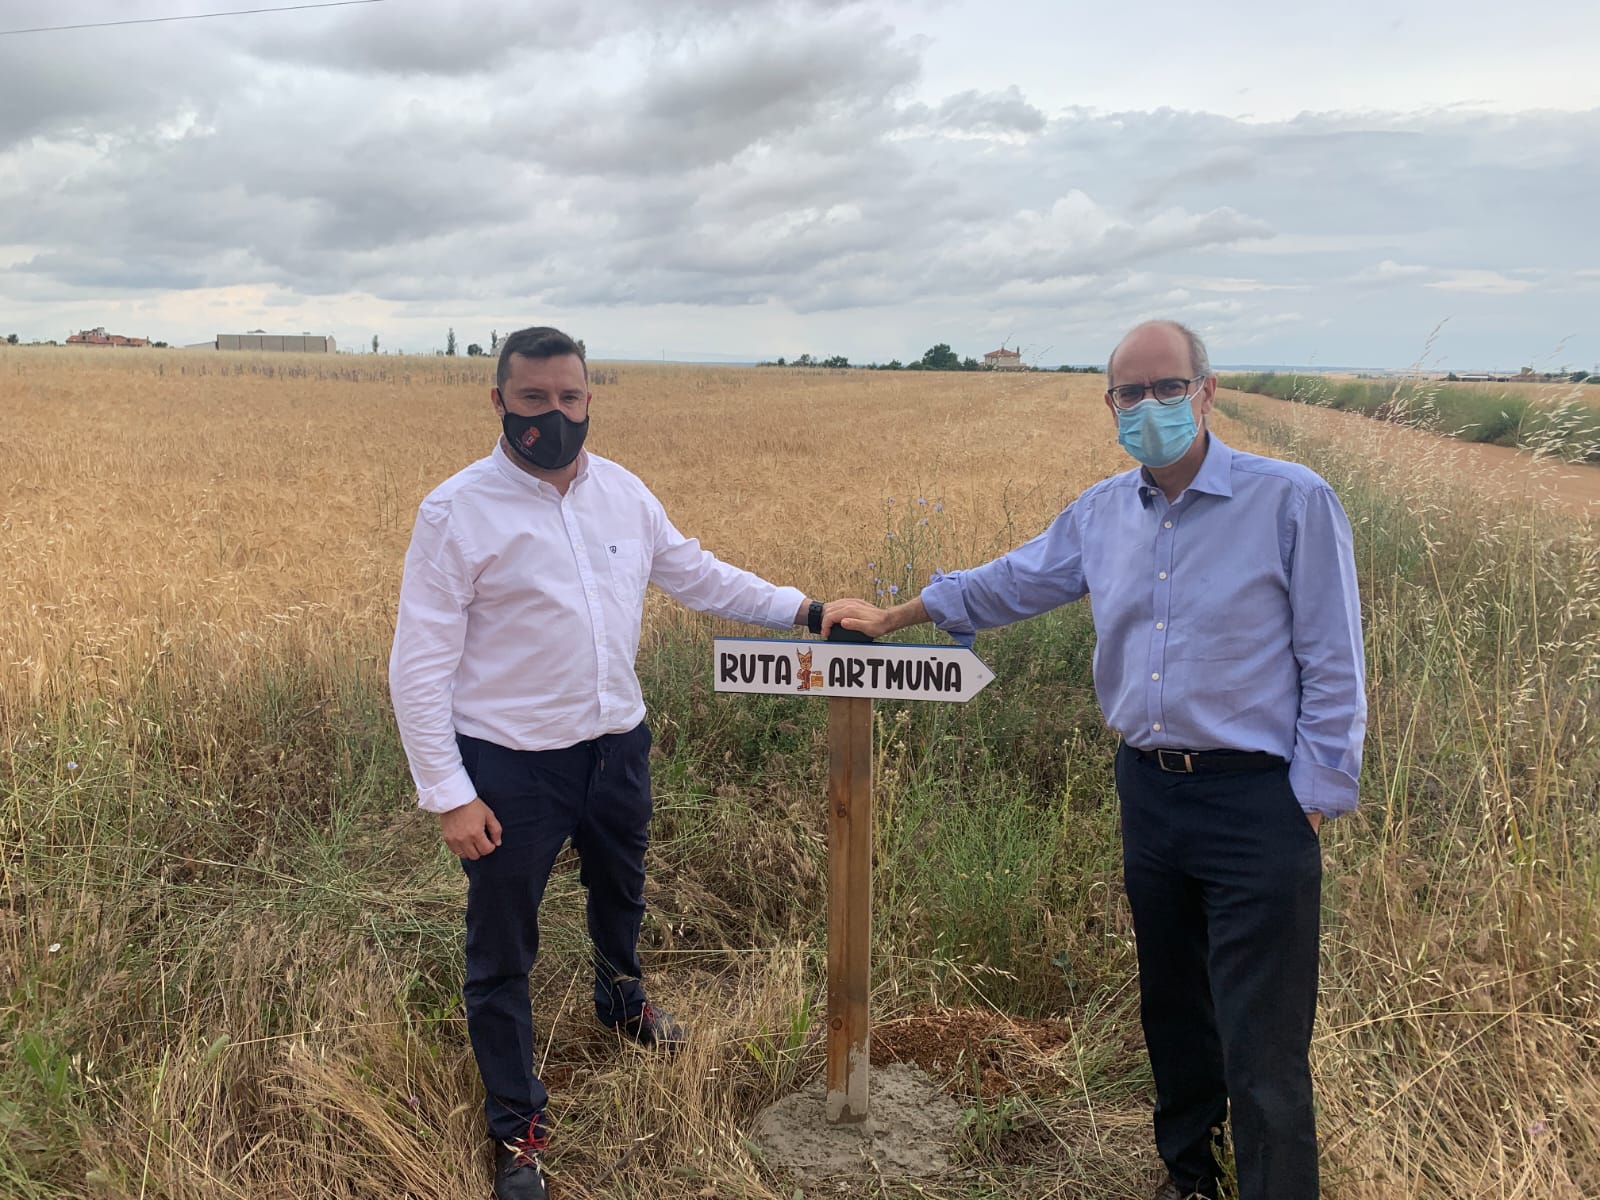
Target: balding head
{"points": [[1162, 335]]}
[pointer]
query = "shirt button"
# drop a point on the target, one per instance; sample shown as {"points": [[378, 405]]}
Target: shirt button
{"points": [[1163, 575], [1161, 624], [1156, 727], [1169, 524], [1155, 674]]}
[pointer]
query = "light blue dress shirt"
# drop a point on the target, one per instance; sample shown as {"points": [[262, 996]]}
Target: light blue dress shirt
{"points": [[1226, 620]]}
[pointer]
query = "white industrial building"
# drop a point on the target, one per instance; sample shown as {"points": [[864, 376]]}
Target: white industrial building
{"points": [[257, 339]]}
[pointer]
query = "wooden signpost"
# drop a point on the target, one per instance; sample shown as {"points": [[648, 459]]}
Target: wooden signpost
{"points": [[849, 675]]}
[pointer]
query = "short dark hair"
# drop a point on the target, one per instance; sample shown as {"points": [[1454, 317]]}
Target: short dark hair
{"points": [[537, 341]]}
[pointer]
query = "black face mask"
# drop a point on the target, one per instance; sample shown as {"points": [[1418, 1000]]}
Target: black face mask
{"points": [[549, 441]]}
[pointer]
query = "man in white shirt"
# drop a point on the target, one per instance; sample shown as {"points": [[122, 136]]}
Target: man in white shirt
{"points": [[514, 689]]}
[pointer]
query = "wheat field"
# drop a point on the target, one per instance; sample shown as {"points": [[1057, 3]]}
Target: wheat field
{"points": [[144, 503], [229, 949]]}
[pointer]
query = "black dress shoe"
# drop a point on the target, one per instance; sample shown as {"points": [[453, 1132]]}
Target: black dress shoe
{"points": [[517, 1172], [653, 1028]]}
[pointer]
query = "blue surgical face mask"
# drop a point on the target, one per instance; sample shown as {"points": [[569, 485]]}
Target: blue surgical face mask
{"points": [[1157, 434]]}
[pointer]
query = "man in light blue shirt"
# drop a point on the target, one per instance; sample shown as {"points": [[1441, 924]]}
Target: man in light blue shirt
{"points": [[1228, 656]]}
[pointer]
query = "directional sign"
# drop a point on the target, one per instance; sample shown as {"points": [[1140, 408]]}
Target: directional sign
{"points": [[850, 675], [874, 670]]}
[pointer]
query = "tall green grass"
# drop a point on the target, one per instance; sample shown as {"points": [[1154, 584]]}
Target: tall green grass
{"points": [[1557, 419]]}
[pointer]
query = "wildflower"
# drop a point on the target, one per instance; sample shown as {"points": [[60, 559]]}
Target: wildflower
{"points": [[920, 500], [888, 537], [72, 766], [908, 566], [54, 947], [938, 508], [924, 521], [1539, 1129], [894, 589], [891, 499], [872, 566]]}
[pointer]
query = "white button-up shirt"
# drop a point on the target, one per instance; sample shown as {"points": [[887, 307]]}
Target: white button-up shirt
{"points": [[520, 612]]}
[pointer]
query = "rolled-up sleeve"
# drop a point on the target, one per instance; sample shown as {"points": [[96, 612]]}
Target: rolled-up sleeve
{"points": [[430, 631], [1038, 575], [1326, 621], [694, 576]]}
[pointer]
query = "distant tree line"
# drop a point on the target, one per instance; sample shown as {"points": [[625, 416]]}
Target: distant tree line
{"points": [[935, 358]]}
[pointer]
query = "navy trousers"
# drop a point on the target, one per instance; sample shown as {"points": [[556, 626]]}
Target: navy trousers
{"points": [[1224, 876], [597, 794]]}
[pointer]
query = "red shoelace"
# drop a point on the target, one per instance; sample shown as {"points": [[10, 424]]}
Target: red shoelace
{"points": [[526, 1148]]}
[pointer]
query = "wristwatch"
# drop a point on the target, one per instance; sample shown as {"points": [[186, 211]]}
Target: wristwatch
{"points": [[814, 617]]}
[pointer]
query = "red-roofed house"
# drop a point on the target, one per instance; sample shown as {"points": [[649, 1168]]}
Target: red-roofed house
{"points": [[1003, 360], [99, 337]]}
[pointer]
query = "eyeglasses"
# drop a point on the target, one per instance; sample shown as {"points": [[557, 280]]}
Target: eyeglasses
{"points": [[1166, 391]]}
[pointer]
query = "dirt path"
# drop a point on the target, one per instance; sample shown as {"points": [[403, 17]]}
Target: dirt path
{"points": [[1574, 484]]}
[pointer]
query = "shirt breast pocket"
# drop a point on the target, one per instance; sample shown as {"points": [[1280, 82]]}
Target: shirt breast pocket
{"points": [[630, 569]]}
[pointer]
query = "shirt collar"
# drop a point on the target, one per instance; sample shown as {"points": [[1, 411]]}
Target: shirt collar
{"points": [[508, 468], [1215, 476]]}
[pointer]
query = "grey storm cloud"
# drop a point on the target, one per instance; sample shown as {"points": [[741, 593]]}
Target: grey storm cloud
{"points": [[982, 112], [585, 155]]}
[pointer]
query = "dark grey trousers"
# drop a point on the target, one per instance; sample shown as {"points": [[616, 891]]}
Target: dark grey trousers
{"points": [[1224, 876]]}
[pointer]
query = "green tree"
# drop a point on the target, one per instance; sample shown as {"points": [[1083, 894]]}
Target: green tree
{"points": [[494, 341], [474, 350], [11, 339], [450, 343], [374, 343], [971, 364], [838, 360], [941, 358], [583, 351]]}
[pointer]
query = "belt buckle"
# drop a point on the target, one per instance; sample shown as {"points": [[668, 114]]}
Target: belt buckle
{"points": [[1187, 760]]}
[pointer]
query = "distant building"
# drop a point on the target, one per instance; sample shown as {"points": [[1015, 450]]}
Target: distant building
{"points": [[294, 343], [99, 337], [1003, 360]]}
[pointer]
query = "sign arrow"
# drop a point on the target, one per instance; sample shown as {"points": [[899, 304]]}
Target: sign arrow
{"points": [[874, 670]]}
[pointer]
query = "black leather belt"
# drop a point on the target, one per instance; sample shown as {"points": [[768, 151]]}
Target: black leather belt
{"points": [[1191, 762]]}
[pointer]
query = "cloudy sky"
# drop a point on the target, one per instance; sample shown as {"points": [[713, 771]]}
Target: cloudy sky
{"points": [[1329, 184]]}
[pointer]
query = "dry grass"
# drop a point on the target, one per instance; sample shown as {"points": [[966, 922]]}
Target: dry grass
{"points": [[143, 507], [253, 986]]}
